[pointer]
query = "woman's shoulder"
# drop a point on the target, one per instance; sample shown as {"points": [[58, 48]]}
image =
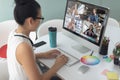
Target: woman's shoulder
{"points": [[23, 50]]}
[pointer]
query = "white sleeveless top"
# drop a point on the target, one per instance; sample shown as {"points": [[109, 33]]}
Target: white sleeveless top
{"points": [[15, 69]]}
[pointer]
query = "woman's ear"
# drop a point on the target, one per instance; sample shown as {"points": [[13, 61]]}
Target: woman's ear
{"points": [[30, 21]]}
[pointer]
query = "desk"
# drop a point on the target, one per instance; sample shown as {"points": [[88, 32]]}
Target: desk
{"points": [[72, 73]]}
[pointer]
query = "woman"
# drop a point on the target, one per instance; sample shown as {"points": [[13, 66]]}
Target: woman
{"points": [[20, 55], [89, 32]]}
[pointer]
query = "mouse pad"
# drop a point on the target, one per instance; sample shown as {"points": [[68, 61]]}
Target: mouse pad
{"points": [[90, 60]]}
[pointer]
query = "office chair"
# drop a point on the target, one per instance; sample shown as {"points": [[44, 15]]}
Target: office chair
{"points": [[5, 28], [43, 28], [112, 22]]}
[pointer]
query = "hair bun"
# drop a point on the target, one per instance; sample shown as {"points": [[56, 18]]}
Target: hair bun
{"points": [[23, 2]]}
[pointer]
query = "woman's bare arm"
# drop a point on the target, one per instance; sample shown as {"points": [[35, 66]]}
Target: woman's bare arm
{"points": [[26, 58]]}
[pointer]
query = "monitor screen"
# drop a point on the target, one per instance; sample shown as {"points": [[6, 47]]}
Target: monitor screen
{"points": [[86, 21]]}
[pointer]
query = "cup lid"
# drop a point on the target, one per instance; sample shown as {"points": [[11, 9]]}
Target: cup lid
{"points": [[52, 29]]}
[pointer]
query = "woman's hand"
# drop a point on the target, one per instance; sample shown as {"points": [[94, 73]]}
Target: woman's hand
{"points": [[51, 54], [60, 61]]}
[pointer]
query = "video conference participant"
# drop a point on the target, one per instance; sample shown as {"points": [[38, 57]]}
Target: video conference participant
{"points": [[89, 32], [71, 24], [20, 55], [93, 17]]}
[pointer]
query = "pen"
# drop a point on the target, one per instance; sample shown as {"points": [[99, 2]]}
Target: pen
{"points": [[91, 53], [119, 65]]}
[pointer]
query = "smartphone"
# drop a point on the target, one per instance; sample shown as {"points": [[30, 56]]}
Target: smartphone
{"points": [[39, 44]]}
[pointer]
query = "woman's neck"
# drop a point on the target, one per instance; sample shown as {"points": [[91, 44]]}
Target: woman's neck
{"points": [[23, 30]]}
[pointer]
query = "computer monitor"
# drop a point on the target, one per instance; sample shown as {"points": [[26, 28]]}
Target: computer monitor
{"points": [[86, 24]]}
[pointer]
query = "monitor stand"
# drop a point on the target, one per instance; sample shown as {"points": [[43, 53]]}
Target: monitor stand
{"points": [[81, 48]]}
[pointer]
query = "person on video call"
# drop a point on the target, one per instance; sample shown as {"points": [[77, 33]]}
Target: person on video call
{"points": [[20, 55], [73, 10], [71, 24], [89, 32], [93, 17]]}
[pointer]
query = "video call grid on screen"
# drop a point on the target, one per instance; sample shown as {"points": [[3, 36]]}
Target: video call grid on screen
{"points": [[86, 20]]}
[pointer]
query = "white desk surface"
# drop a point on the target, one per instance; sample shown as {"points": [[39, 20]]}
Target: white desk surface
{"points": [[72, 73]]}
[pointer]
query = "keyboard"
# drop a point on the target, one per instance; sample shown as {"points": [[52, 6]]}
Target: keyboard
{"points": [[71, 60]]}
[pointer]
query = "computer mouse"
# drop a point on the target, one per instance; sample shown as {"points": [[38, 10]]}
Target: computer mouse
{"points": [[83, 69]]}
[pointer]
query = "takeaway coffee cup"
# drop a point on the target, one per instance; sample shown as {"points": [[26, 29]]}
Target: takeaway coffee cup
{"points": [[52, 36]]}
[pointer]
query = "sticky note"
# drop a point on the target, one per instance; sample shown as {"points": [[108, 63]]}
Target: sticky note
{"points": [[108, 59], [112, 56], [105, 71], [104, 57], [112, 75]]}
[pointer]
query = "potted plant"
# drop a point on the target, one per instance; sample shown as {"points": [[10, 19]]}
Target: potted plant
{"points": [[116, 53]]}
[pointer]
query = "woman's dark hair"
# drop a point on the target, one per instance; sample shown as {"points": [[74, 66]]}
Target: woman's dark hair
{"points": [[25, 9]]}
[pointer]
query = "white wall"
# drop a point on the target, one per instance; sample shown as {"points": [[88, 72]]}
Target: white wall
{"points": [[55, 8]]}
